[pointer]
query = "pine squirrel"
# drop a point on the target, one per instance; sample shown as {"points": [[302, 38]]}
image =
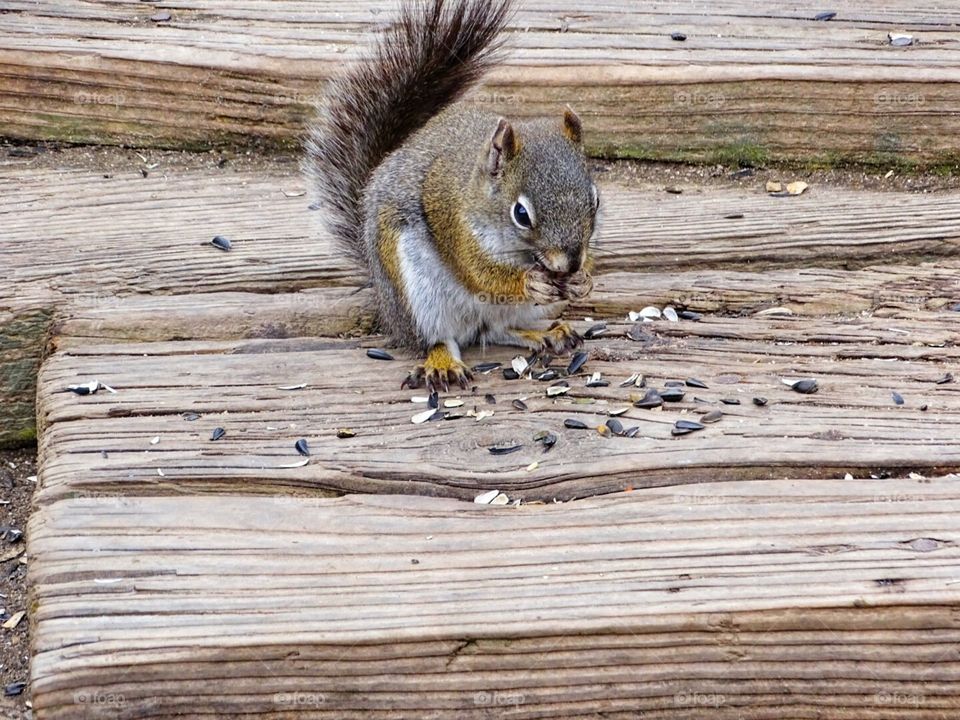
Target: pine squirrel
{"points": [[471, 226]]}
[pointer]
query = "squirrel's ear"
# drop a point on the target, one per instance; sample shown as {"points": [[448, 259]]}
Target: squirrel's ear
{"points": [[572, 127], [503, 147]]}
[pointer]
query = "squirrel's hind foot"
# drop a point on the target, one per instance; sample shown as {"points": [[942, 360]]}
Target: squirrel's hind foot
{"points": [[560, 339], [439, 371]]}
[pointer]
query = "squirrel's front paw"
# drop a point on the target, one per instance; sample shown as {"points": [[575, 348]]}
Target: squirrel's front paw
{"points": [[540, 288], [439, 371], [577, 286]]}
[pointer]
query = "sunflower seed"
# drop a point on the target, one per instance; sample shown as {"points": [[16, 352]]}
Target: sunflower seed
{"points": [[573, 424], [519, 365], [520, 405], [685, 427], [712, 416], [805, 387], [672, 394], [897, 398], [694, 383], [487, 367], [301, 386], [678, 36], [616, 427], [455, 415], [900, 39], [190, 417], [548, 440], [433, 401], [155, 440], [760, 401], [670, 314], [14, 688], [651, 313], [576, 363], [86, 389], [923, 408], [556, 390], [501, 450], [631, 432], [378, 354], [303, 448], [946, 379], [548, 375], [217, 433], [454, 403], [221, 243], [486, 498], [491, 399], [630, 380], [689, 314], [824, 16], [617, 412], [346, 433], [652, 399], [595, 331], [674, 383], [500, 499], [510, 374], [730, 401], [422, 417], [596, 380]]}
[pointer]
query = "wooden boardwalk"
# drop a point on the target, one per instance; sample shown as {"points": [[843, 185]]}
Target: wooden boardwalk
{"points": [[752, 82], [729, 573], [794, 559]]}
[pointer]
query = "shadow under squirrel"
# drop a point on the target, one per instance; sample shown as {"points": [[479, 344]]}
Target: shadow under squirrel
{"points": [[471, 226]]}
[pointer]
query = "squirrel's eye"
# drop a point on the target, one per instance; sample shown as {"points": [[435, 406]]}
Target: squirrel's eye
{"points": [[521, 216]]}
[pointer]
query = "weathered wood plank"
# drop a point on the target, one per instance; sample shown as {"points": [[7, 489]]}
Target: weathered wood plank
{"points": [[851, 425], [77, 245], [833, 599], [750, 83]]}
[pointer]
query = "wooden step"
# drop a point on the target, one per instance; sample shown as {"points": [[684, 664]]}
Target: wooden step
{"points": [[146, 437], [81, 250], [751, 82], [789, 598]]}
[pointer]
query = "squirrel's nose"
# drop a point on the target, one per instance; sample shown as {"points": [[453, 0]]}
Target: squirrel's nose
{"points": [[556, 261], [574, 261]]}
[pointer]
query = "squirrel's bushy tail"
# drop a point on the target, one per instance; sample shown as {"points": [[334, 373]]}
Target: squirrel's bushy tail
{"points": [[436, 50]]}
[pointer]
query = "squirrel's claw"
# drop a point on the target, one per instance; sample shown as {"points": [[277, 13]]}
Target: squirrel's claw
{"points": [[541, 288], [560, 339], [577, 286], [439, 371]]}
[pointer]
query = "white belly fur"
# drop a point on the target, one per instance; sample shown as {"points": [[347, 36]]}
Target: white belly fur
{"points": [[443, 310]]}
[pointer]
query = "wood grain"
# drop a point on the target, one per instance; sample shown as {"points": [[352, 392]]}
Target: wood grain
{"points": [[751, 82], [80, 250], [102, 444], [816, 598]]}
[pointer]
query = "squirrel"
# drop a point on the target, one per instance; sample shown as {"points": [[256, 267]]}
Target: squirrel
{"points": [[471, 226]]}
